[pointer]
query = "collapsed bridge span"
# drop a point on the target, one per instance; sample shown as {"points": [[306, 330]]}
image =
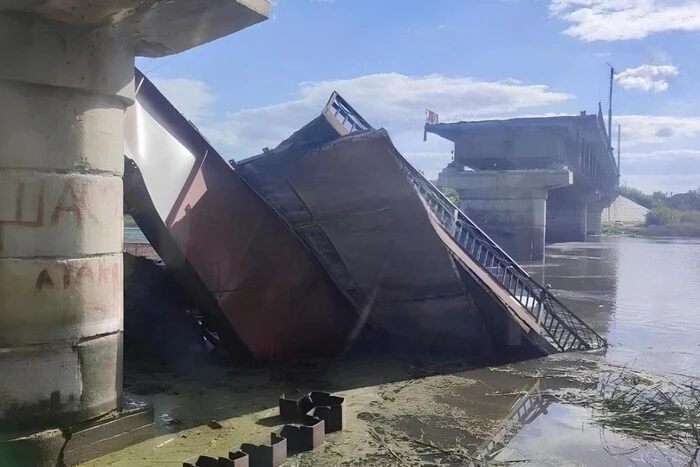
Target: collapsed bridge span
{"points": [[294, 251]]}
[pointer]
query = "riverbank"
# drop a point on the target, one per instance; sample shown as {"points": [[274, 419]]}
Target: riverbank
{"points": [[402, 412], [681, 230]]}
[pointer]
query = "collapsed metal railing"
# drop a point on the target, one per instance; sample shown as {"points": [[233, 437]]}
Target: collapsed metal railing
{"points": [[564, 330]]}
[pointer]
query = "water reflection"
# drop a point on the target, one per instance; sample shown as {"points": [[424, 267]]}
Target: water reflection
{"points": [[641, 294], [539, 430]]}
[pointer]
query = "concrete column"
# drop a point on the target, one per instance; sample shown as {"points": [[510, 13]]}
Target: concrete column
{"points": [[567, 216], [516, 224], [63, 91], [510, 206], [595, 214]]}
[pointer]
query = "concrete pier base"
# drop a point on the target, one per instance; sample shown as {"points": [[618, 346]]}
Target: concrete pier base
{"points": [[510, 206]]}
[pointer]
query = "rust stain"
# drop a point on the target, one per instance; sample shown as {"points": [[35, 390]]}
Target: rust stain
{"points": [[68, 202], [43, 280]]}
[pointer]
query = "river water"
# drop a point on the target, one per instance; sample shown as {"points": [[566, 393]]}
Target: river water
{"points": [[643, 296]]}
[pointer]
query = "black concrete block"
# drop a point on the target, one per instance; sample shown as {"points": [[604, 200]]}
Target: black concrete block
{"points": [[302, 438], [329, 408], [201, 461], [239, 458], [267, 456], [293, 406]]}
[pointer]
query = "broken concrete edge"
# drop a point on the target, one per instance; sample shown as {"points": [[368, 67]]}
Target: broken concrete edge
{"points": [[81, 442]]}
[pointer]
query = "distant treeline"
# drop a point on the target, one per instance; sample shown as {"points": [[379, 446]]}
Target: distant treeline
{"points": [[666, 209], [670, 215]]}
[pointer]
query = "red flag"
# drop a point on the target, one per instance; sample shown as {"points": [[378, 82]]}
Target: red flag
{"points": [[431, 117]]}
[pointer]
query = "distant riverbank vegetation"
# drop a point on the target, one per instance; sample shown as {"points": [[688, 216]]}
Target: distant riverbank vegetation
{"points": [[669, 216]]}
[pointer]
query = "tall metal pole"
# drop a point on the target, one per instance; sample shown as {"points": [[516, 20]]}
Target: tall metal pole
{"points": [[619, 139], [612, 79]]}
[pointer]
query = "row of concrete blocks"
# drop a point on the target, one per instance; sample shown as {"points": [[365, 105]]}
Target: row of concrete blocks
{"points": [[311, 416]]}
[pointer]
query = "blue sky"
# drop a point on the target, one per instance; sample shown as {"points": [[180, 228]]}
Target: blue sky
{"points": [[466, 60]]}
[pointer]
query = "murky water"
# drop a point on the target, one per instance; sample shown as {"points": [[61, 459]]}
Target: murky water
{"points": [[643, 295]]}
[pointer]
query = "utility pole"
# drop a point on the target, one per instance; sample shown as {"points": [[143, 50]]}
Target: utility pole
{"points": [[612, 80], [619, 140]]}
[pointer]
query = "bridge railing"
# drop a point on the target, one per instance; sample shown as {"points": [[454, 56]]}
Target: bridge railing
{"points": [[564, 330]]}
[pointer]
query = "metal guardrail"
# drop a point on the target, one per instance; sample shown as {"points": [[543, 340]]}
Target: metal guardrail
{"points": [[346, 115], [564, 330]]}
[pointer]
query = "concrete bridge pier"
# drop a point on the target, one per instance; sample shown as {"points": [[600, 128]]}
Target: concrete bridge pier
{"points": [[63, 91], [595, 214], [66, 76], [567, 216], [573, 215], [511, 206]]}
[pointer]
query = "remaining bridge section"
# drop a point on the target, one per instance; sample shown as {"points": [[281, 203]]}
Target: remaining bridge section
{"points": [[527, 179]]}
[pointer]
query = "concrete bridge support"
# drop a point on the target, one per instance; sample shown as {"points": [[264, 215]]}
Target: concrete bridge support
{"points": [[510, 206], [567, 216], [66, 76], [595, 214], [63, 91]]}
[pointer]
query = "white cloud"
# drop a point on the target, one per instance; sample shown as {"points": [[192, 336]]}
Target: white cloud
{"points": [[391, 100], [647, 77], [191, 97], [665, 155], [660, 153], [610, 20], [670, 131], [665, 183]]}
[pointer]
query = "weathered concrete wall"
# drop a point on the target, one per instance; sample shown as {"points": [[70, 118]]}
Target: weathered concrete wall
{"points": [[63, 92], [567, 216], [510, 206], [517, 225], [526, 148]]}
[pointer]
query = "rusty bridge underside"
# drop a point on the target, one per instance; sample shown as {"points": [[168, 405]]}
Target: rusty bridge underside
{"points": [[299, 250]]}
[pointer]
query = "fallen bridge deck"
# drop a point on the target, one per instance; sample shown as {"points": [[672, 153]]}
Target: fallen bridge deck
{"points": [[293, 252]]}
